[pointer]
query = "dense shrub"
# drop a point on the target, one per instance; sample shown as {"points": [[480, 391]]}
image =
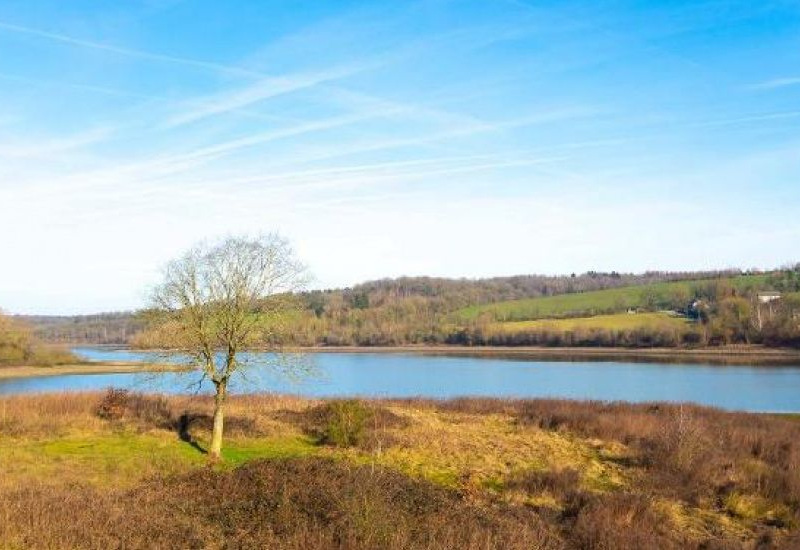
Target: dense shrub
{"points": [[623, 521], [345, 423], [292, 504], [537, 481], [113, 404], [348, 423]]}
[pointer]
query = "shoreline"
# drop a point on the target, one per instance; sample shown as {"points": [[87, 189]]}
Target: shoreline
{"points": [[111, 367], [729, 355], [739, 355]]}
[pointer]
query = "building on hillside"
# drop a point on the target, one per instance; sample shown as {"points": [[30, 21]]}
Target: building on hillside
{"points": [[697, 309], [767, 297]]}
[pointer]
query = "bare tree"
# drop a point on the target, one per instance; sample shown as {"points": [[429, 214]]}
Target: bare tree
{"points": [[219, 300]]}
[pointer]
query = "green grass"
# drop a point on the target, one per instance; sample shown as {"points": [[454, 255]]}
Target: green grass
{"points": [[618, 321], [238, 452], [125, 458], [585, 304], [101, 459]]}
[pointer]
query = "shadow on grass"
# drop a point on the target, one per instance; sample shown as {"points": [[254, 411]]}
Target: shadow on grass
{"points": [[184, 423]]}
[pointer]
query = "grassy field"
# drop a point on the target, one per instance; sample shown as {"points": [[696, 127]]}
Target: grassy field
{"points": [[618, 321], [470, 473], [585, 304]]}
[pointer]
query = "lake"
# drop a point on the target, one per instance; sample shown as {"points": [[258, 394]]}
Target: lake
{"points": [[749, 388]]}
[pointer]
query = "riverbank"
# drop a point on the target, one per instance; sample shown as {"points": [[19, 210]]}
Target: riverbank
{"points": [[731, 355], [111, 367], [734, 354]]}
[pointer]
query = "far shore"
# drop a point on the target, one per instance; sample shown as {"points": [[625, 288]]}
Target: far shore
{"points": [[744, 354], [726, 355], [730, 355], [111, 367]]}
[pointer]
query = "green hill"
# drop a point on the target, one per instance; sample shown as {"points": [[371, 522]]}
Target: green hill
{"points": [[615, 321], [670, 295]]}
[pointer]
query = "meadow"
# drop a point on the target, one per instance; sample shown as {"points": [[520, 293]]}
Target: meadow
{"points": [[466, 473], [617, 321], [598, 302]]}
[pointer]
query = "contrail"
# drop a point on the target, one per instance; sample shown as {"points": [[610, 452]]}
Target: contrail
{"points": [[140, 54]]}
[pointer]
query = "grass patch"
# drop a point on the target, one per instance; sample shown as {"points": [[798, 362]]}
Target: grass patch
{"points": [[109, 459], [239, 451], [619, 321]]}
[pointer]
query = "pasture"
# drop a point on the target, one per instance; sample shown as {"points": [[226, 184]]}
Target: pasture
{"points": [[600, 302], [613, 322]]}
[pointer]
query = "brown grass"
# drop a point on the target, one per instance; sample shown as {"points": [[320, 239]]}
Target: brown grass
{"points": [[311, 503], [465, 473]]}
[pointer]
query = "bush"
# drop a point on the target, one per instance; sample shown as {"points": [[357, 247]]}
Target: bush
{"points": [[345, 423], [113, 404], [537, 481], [348, 423], [620, 521]]}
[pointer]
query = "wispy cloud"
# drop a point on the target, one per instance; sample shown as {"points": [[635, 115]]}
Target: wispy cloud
{"points": [[371, 175], [265, 88], [782, 115], [776, 83], [105, 90], [469, 127], [129, 52]]}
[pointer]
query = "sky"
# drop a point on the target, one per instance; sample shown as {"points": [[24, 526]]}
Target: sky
{"points": [[443, 138]]}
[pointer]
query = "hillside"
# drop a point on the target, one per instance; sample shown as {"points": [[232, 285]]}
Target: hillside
{"points": [[616, 321], [417, 306], [101, 328], [669, 295]]}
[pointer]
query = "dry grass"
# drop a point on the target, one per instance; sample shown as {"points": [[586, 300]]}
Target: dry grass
{"points": [[463, 473]]}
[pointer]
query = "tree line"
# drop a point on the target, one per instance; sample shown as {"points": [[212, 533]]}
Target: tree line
{"points": [[19, 346], [420, 310]]}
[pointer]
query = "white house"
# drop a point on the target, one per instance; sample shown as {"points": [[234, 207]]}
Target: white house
{"points": [[767, 297]]}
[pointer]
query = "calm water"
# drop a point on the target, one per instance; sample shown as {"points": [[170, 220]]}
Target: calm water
{"points": [[382, 374]]}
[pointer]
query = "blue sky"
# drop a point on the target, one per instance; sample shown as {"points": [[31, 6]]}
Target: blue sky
{"points": [[448, 138]]}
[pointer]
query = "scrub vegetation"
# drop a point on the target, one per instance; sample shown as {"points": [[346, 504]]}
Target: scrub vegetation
{"points": [[465, 473], [19, 346]]}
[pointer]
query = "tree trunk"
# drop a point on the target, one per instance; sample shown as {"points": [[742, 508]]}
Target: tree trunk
{"points": [[216, 434]]}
